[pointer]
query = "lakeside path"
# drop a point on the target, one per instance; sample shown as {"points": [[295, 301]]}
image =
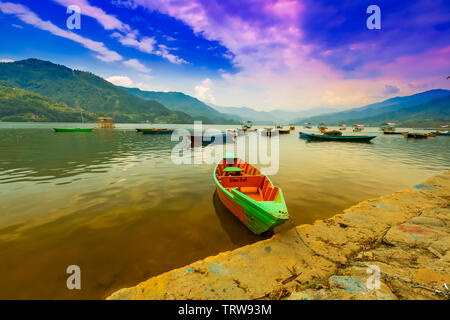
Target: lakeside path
{"points": [[406, 235]]}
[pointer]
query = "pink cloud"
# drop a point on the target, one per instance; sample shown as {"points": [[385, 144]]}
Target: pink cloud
{"points": [[422, 65]]}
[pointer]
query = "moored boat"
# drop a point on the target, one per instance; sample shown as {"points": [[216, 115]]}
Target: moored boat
{"points": [[105, 123], [205, 140], [249, 195], [358, 127], [284, 131], [331, 132], [318, 137], [246, 125], [387, 127], [415, 135], [321, 126], [441, 133], [154, 130], [268, 132], [73, 129]]}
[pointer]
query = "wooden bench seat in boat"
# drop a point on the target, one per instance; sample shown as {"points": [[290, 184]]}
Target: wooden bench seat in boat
{"points": [[256, 187]]}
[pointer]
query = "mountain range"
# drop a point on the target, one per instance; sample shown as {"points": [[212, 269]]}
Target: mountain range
{"points": [[37, 90], [80, 90], [432, 106], [178, 101], [277, 116]]}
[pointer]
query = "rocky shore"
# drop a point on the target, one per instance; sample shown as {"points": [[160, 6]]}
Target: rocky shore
{"points": [[393, 247]]}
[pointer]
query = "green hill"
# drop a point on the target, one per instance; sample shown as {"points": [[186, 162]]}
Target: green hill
{"points": [[375, 109], [85, 90], [178, 101], [430, 114], [21, 105]]}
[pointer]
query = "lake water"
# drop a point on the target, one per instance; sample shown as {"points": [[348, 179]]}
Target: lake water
{"points": [[113, 202]]}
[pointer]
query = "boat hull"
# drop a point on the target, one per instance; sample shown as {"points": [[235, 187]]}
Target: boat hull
{"points": [[206, 140], [153, 131], [441, 133], [315, 137], [258, 214], [253, 218], [415, 135], [392, 132], [73, 129]]}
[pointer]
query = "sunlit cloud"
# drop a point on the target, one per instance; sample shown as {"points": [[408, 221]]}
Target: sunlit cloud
{"points": [[135, 64], [122, 81], [203, 91]]}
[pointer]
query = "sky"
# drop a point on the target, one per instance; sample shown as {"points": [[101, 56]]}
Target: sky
{"points": [[264, 54]]}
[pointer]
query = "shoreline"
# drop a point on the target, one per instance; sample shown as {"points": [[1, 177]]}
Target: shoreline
{"points": [[405, 235]]}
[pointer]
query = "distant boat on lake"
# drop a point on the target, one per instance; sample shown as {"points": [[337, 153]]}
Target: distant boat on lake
{"points": [[73, 129], [205, 140], [106, 123], [322, 126], [154, 131], [319, 137]]}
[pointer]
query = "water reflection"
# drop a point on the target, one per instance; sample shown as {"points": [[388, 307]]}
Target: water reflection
{"points": [[114, 202], [41, 155], [238, 233]]}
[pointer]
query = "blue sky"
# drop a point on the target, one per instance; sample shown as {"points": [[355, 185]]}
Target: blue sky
{"points": [[266, 54]]}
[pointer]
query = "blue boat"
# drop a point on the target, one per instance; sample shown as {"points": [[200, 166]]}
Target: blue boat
{"points": [[319, 137], [440, 133]]}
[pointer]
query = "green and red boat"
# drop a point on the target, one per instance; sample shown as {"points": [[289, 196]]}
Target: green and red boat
{"points": [[249, 195], [73, 129]]}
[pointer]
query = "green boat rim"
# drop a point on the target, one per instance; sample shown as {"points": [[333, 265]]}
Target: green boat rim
{"points": [[260, 216]]}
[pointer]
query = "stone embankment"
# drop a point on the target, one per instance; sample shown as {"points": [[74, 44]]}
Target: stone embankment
{"points": [[401, 239]]}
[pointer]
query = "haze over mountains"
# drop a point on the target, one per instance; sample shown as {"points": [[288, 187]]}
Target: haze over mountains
{"points": [[271, 117], [36, 90]]}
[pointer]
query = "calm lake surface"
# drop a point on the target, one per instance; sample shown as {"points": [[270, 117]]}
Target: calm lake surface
{"points": [[113, 202]]}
